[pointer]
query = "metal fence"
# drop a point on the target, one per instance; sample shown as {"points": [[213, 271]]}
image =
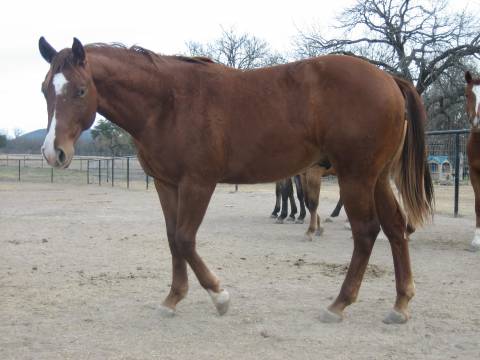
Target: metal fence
{"points": [[446, 157], [112, 171]]}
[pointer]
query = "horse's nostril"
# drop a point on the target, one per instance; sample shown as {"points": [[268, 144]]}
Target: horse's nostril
{"points": [[61, 156]]}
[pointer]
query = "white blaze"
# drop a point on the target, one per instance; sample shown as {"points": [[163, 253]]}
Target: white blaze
{"points": [[48, 148], [60, 83], [476, 91]]}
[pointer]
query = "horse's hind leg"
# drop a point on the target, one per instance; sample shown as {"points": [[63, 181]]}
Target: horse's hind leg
{"points": [[284, 195], [359, 205], [278, 198], [169, 200], [301, 199], [193, 199], [312, 180], [394, 226]]}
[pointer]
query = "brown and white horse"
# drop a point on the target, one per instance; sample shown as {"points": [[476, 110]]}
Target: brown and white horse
{"points": [[472, 94], [196, 123]]}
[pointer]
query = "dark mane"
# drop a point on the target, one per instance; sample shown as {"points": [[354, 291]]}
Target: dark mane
{"points": [[195, 59]]}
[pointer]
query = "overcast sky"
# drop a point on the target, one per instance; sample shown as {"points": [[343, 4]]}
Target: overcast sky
{"points": [[162, 26]]}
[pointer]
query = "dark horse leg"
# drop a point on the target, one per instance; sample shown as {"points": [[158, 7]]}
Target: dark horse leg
{"points": [[184, 208], [358, 197], [278, 198], [337, 209], [291, 197], [286, 190], [301, 199]]}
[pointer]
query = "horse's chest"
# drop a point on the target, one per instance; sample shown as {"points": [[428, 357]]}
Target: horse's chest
{"points": [[473, 151]]}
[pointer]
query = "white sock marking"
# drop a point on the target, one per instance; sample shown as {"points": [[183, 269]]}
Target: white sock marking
{"points": [[476, 238]]}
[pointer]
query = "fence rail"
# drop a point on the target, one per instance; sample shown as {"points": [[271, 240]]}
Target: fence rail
{"points": [[114, 171], [446, 157]]}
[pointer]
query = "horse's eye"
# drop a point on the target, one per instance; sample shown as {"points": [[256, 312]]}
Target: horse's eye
{"points": [[81, 92]]}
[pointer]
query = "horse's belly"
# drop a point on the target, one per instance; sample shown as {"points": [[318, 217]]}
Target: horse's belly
{"points": [[270, 168]]}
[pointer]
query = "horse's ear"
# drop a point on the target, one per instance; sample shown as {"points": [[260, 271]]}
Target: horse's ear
{"points": [[78, 52], [468, 77], [47, 51]]}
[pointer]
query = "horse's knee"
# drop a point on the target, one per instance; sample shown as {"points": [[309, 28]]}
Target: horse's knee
{"points": [[185, 245], [365, 233]]}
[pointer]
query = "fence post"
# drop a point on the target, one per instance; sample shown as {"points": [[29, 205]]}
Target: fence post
{"points": [[19, 161], [99, 172], [128, 172], [457, 173], [108, 169], [88, 171], [113, 174]]}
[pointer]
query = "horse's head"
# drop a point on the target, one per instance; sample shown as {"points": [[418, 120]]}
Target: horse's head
{"points": [[472, 95], [71, 100]]}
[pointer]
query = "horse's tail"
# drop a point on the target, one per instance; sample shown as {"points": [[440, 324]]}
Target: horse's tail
{"points": [[413, 176]]}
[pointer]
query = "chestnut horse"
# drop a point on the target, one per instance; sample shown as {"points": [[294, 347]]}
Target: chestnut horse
{"points": [[196, 123], [472, 95]]}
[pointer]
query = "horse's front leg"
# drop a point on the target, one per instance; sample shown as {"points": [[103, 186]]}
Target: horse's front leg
{"points": [[169, 200], [475, 180], [193, 199]]}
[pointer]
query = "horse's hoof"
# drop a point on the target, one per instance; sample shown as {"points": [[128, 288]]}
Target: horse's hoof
{"points": [[273, 216], [299, 221], [279, 221], [395, 317], [166, 312], [328, 220], [221, 300], [475, 245], [319, 231], [329, 317], [308, 236], [291, 219]]}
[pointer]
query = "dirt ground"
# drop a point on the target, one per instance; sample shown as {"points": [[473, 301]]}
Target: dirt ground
{"points": [[84, 268]]}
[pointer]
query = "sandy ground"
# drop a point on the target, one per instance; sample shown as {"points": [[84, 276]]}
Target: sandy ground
{"points": [[84, 268]]}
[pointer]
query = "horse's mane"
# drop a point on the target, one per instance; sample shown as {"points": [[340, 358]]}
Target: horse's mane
{"points": [[150, 55]]}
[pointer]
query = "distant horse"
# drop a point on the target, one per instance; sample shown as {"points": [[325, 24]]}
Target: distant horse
{"points": [[196, 123], [284, 193], [472, 94]]}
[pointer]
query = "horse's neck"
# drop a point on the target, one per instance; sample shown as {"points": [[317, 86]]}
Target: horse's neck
{"points": [[122, 98]]}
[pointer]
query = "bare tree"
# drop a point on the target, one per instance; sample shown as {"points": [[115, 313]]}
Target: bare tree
{"points": [[17, 132], [422, 41], [238, 50]]}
